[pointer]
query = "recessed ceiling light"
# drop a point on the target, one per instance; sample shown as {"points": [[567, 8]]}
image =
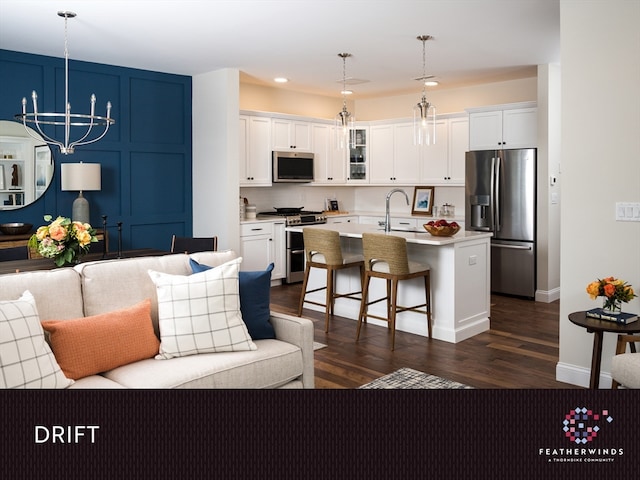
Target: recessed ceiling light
{"points": [[280, 80], [346, 92], [431, 83]]}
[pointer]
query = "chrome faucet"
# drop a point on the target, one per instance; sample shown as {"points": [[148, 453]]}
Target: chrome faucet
{"points": [[387, 216]]}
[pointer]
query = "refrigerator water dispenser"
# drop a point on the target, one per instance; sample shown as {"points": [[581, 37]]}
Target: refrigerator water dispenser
{"points": [[480, 213]]}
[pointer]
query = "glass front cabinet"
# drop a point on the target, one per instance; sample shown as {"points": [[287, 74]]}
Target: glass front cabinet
{"points": [[358, 157]]}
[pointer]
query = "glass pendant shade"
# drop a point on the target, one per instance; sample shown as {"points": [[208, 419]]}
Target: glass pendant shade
{"points": [[345, 122], [424, 123], [424, 113], [345, 129]]}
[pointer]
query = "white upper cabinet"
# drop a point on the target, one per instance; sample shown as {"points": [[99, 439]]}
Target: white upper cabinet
{"points": [[291, 135], [503, 128], [434, 160], [328, 162], [458, 148], [393, 158], [255, 151]]}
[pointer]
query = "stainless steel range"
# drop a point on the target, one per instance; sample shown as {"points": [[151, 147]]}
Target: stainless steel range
{"points": [[295, 242]]}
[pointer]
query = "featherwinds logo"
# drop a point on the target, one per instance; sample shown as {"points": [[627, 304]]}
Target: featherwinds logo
{"points": [[582, 425]]}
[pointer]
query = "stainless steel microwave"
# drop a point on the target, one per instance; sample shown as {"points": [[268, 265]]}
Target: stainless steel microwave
{"points": [[292, 167]]}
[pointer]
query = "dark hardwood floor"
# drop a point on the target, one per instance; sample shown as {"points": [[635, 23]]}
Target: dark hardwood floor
{"points": [[519, 351]]}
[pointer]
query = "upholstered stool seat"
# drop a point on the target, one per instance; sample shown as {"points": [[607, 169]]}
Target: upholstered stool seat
{"points": [[625, 367], [385, 257], [322, 250]]}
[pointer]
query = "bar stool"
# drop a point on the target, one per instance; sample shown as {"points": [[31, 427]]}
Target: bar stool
{"points": [[385, 256], [322, 250]]}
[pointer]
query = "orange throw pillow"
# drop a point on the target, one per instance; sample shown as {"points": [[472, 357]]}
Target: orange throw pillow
{"points": [[89, 345]]}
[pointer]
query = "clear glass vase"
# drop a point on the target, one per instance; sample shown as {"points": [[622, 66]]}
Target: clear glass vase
{"points": [[611, 305]]}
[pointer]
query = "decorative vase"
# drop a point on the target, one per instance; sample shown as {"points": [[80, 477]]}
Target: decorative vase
{"points": [[611, 305]]}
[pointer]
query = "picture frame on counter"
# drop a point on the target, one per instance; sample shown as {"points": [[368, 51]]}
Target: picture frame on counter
{"points": [[332, 205], [422, 201]]}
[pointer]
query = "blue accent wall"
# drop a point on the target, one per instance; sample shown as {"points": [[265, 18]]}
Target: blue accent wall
{"points": [[146, 156]]}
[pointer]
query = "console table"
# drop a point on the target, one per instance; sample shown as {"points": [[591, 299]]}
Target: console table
{"points": [[15, 266], [11, 241], [598, 327]]}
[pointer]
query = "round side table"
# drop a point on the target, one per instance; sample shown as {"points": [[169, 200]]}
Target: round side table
{"points": [[598, 327]]}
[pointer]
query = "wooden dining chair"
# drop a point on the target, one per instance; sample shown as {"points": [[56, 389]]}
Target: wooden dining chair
{"points": [[193, 244]]}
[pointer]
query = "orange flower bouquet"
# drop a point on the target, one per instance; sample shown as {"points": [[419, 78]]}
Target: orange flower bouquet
{"points": [[614, 291], [63, 240]]}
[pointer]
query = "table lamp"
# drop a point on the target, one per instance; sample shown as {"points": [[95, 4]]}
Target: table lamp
{"points": [[80, 177]]}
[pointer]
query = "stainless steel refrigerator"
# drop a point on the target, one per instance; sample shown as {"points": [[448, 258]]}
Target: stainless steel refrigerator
{"points": [[500, 197]]}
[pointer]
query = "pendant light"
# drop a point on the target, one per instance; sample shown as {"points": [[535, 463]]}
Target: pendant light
{"points": [[424, 114], [66, 119], [345, 121]]}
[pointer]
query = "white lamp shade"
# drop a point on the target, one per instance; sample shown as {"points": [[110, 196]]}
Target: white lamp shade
{"points": [[80, 176]]}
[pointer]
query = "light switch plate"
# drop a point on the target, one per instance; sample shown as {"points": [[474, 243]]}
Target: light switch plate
{"points": [[627, 212]]}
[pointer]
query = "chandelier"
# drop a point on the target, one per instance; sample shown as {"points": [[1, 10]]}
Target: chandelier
{"points": [[66, 119], [345, 133], [424, 114]]}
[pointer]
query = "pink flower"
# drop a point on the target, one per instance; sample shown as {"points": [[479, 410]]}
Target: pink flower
{"points": [[57, 232]]}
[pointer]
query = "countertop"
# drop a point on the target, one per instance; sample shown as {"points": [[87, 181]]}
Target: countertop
{"points": [[417, 235], [421, 218]]}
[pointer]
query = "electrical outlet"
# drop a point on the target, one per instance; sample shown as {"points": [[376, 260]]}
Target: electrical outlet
{"points": [[627, 212], [473, 259]]}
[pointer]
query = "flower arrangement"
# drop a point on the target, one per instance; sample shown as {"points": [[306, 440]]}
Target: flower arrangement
{"points": [[614, 291], [63, 240]]}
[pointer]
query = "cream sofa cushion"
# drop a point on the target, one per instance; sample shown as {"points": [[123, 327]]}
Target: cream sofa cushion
{"points": [[273, 364], [57, 292], [116, 284]]}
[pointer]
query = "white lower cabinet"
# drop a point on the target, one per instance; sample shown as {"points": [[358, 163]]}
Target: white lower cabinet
{"points": [[279, 251], [352, 219], [396, 222], [262, 243]]}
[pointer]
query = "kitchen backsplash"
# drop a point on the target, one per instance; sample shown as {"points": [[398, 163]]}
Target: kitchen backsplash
{"points": [[350, 198]]}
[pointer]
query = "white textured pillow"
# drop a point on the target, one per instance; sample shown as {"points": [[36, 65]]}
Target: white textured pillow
{"points": [[26, 360], [200, 313]]}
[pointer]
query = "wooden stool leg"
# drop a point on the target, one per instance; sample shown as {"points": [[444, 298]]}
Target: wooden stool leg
{"points": [[392, 316], [363, 304], [389, 302], [328, 304], [427, 292], [303, 292]]}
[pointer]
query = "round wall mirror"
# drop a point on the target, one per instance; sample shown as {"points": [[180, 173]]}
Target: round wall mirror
{"points": [[26, 166]]}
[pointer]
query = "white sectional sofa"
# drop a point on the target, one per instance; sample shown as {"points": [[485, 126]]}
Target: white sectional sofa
{"points": [[96, 288]]}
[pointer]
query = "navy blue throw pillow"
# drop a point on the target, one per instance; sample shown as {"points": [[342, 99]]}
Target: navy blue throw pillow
{"points": [[255, 289]]}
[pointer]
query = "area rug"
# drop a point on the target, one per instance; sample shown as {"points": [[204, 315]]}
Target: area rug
{"points": [[407, 378], [318, 345]]}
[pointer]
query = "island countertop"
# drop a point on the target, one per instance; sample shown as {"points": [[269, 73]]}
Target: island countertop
{"points": [[413, 235], [460, 281]]}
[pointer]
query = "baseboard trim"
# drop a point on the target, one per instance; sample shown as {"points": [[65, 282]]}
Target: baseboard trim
{"points": [[580, 376], [548, 296]]}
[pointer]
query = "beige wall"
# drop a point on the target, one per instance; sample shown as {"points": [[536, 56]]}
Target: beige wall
{"points": [[448, 100], [268, 99], [600, 165], [281, 100]]}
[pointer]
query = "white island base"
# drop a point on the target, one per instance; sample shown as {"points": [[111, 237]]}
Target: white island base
{"points": [[460, 282]]}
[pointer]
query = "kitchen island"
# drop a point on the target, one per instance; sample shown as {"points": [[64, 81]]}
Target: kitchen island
{"points": [[460, 281]]}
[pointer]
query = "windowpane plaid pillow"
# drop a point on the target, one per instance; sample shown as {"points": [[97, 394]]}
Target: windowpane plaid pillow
{"points": [[200, 313], [26, 360]]}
